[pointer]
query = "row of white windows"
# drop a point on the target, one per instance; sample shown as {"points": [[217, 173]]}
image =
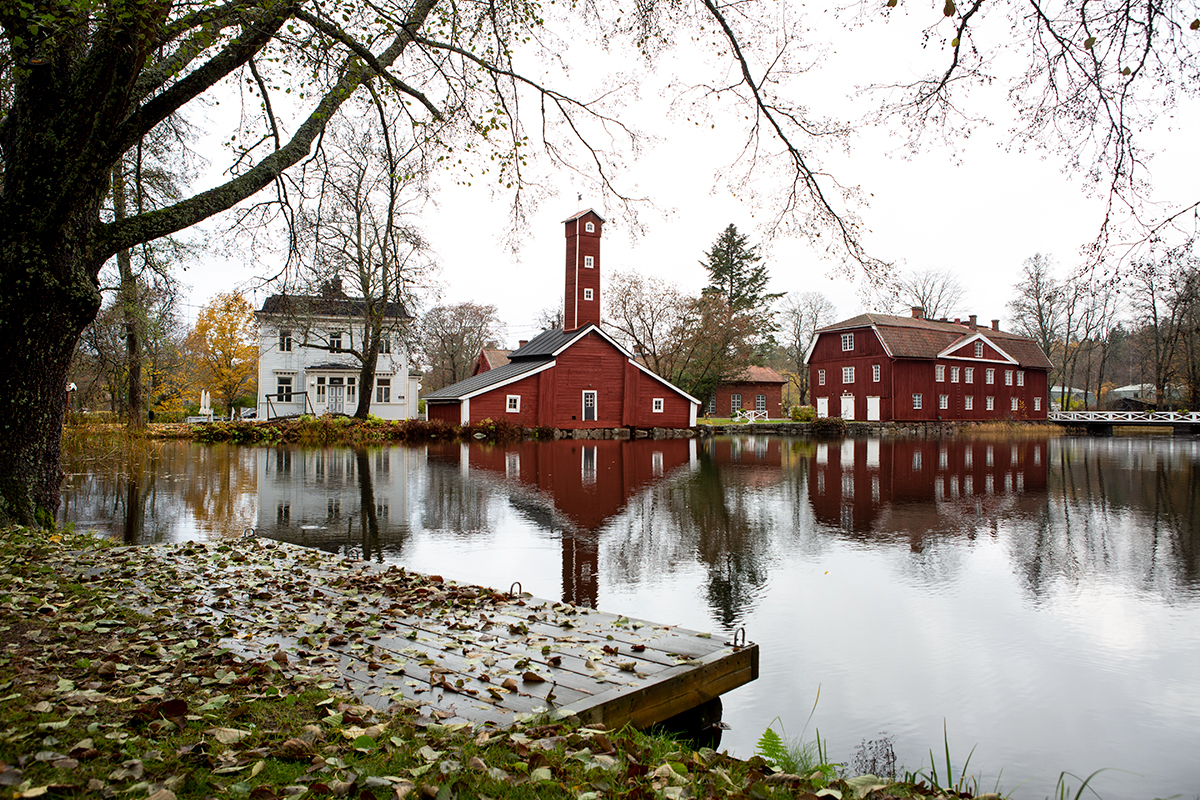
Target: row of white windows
{"points": [[513, 404], [735, 403], [939, 375], [284, 389], [848, 345], [969, 402], [334, 340]]}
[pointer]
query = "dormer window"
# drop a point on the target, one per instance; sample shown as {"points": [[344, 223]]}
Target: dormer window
{"points": [[589, 261], [590, 227], [847, 342]]}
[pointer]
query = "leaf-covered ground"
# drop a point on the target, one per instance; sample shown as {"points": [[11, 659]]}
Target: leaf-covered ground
{"points": [[100, 699]]}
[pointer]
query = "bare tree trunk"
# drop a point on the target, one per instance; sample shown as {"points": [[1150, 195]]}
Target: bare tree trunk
{"points": [[131, 313]]}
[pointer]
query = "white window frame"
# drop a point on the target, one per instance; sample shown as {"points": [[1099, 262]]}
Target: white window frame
{"points": [[285, 341], [1020, 378], [320, 389], [512, 403], [847, 374], [969, 402], [383, 390], [820, 377], [760, 402], [658, 405], [954, 374], [916, 401], [735, 404], [979, 349], [284, 395], [335, 341], [989, 376], [847, 342], [1037, 404], [351, 390], [587, 294], [939, 373], [875, 373], [943, 401], [968, 374], [991, 403], [385, 344], [1008, 377], [589, 262], [590, 227], [1013, 404]]}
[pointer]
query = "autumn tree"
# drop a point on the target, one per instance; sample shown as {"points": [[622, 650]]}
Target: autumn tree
{"points": [[800, 315], [937, 292], [222, 349], [451, 337], [646, 314], [1165, 297]]}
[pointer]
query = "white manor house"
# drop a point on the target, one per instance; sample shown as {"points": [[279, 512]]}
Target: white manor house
{"points": [[308, 362]]}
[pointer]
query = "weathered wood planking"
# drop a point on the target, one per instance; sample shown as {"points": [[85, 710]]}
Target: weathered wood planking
{"points": [[390, 636]]}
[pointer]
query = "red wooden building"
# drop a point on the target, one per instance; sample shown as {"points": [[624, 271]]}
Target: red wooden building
{"points": [[575, 377], [754, 389], [911, 369]]}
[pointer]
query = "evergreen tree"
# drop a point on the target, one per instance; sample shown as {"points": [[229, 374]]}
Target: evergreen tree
{"points": [[735, 270]]}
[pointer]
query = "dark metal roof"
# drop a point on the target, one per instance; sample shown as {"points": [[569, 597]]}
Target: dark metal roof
{"points": [[484, 380], [547, 343], [329, 366], [909, 337], [319, 306]]}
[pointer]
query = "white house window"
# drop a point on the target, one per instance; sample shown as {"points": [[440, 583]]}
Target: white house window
{"points": [[383, 390], [587, 294], [989, 376], [969, 402], [335, 341], [285, 341], [991, 404], [1020, 378], [514, 403], [712, 404], [385, 345], [590, 227], [916, 400], [939, 373], [1037, 404], [283, 388], [1008, 377], [321, 389], [979, 349], [847, 342], [820, 377], [969, 376], [760, 402], [351, 390], [589, 261], [943, 401], [954, 374], [1013, 404], [658, 405], [735, 403], [875, 373], [847, 374]]}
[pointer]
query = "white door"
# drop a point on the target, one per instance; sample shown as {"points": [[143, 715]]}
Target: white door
{"points": [[589, 406], [822, 407], [873, 409], [337, 397], [847, 406]]}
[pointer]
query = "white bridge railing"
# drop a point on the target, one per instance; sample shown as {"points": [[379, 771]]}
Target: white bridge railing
{"points": [[1134, 417]]}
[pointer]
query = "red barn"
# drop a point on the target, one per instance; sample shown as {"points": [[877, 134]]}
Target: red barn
{"points": [[575, 377], [754, 389], [911, 369]]}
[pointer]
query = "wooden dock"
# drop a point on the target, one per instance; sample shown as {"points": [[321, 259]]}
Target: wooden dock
{"points": [[456, 652]]}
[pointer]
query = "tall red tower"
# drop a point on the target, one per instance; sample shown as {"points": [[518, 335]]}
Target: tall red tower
{"points": [[582, 297]]}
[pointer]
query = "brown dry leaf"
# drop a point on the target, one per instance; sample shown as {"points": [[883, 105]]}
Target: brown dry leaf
{"points": [[533, 677], [227, 735]]}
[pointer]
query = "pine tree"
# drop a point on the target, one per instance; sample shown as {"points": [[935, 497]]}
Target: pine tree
{"points": [[735, 270]]}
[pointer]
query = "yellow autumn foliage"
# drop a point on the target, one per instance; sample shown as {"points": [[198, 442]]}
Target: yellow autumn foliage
{"points": [[222, 350]]}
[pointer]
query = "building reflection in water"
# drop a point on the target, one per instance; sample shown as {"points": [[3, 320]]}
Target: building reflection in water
{"points": [[572, 488], [917, 488]]}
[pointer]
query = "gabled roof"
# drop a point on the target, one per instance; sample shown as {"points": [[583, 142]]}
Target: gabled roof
{"points": [[494, 357], [909, 337], [477, 384], [755, 374], [583, 213], [299, 305], [550, 343]]}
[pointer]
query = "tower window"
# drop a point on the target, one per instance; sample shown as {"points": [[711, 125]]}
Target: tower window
{"points": [[590, 227], [587, 294], [589, 261]]}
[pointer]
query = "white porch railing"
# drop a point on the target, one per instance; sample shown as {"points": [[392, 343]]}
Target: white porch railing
{"points": [[1129, 417]]}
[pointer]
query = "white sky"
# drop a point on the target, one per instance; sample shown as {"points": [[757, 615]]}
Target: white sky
{"points": [[978, 211]]}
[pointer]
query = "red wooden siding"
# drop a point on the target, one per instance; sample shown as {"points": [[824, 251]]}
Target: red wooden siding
{"points": [[578, 312], [445, 412], [494, 405], [773, 391]]}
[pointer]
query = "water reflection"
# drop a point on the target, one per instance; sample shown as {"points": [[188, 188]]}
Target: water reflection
{"points": [[1039, 597]]}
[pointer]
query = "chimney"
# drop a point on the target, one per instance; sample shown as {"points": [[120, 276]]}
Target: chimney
{"points": [[996, 325], [581, 297], [973, 318], [521, 343], [957, 321], [918, 312]]}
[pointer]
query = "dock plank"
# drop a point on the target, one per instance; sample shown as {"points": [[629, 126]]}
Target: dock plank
{"points": [[449, 649]]}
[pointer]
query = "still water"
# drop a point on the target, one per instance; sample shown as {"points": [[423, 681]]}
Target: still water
{"points": [[1037, 600]]}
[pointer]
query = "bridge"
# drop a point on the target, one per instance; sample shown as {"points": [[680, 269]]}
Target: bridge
{"points": [[1103, 422]]}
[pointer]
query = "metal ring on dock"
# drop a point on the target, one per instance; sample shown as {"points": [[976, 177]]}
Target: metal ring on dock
{"points": [[511, 593], [250, 533], [739, 632]]}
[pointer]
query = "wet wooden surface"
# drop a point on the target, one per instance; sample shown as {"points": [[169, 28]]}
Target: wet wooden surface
{"points": [[459, 653]]}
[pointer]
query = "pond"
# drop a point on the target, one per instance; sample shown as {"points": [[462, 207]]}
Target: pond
{"points": [[1034, 603]]}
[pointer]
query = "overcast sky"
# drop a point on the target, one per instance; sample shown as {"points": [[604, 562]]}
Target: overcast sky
{"points": [[978, 210]]}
